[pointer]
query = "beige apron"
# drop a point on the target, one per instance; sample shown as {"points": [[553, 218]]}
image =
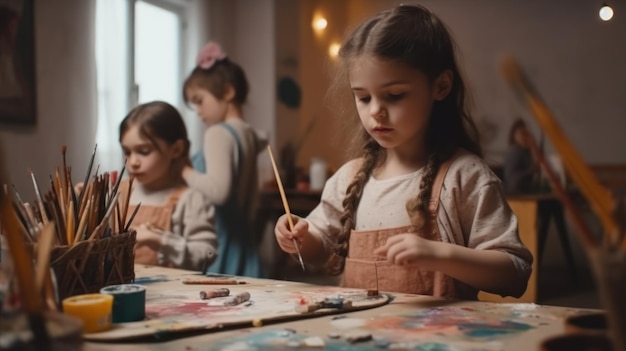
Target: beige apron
{"points": [[363, 268], [158, 217]]}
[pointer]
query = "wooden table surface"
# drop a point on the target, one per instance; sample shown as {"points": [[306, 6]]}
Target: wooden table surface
{"points": [[530, 323]]}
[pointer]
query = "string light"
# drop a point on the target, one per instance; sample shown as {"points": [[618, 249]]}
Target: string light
{"points": [[606, 12], [333, 49], [320, 23]]}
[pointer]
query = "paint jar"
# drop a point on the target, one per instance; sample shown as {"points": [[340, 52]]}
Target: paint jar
{"points": [[129, 302], [577, 342], [93, 309], [64, 332], [318, 173]]}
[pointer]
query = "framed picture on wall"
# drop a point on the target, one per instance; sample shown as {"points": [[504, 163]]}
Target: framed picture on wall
{"points": [[17, 62]]}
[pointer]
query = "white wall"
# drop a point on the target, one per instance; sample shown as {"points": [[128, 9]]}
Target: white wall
{"points": [[246, 31], [66, 97]]}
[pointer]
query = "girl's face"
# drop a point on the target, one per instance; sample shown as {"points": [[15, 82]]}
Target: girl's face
{"points": [[150, 164], [394, 102], [210, 109]]}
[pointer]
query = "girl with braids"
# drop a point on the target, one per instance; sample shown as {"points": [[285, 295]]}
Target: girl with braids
{"points": [[417, 210]]}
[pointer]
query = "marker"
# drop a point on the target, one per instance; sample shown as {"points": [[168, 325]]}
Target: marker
{"points": [[209, 294]]}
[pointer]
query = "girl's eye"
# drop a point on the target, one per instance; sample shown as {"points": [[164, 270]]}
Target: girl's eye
{"points": [[395, 97], [144, 152], [364, 99]]}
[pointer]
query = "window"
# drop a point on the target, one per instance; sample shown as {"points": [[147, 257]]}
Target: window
{"points": [[158, 48], [140, 49]]}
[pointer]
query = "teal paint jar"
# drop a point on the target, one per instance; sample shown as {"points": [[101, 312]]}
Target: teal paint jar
{"points": [[129, 302]]}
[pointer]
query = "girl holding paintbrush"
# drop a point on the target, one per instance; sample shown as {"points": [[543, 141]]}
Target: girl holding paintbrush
{"points": [[417, 210], [175, 224], [217, 89]]}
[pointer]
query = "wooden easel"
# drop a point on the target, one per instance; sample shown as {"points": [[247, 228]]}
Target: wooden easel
{"points": [[608, 257]]}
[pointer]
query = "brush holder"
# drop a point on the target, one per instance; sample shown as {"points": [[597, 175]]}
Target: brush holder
{"points": [[87, 266]]}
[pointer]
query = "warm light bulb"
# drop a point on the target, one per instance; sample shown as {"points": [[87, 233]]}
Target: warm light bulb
{"points": [[333, 50], [320, 24], [606, 12]]}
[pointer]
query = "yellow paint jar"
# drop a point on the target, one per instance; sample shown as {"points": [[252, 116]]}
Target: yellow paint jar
{"points": [[93, 309]]}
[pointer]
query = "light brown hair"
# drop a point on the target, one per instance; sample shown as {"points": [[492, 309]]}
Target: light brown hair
{"points": [[415, 37]]}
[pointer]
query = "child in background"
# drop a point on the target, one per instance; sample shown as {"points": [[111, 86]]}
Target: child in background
{"points": [[217, 88], [174, 224], [521, 170], [418, 211]]}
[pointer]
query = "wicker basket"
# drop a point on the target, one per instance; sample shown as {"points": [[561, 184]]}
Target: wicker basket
{"points": [[87, 266]]}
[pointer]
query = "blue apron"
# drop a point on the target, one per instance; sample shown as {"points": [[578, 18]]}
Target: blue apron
{"points": [[237, 248]]}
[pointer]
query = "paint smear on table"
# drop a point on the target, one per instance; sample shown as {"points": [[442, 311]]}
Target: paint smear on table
{"points": [[448, 328]]}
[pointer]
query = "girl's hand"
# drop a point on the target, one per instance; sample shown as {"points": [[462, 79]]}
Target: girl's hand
{"points": [[285, 237], [405, 249], [148, 237]]}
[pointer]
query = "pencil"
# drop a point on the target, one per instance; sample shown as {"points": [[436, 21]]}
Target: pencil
{"points": [[285, 204]]}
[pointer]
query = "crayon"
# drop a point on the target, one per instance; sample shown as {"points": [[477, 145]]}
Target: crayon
{"points": [[237, 299], [209, 294]]}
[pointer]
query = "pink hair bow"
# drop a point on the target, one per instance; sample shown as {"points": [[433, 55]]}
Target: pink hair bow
{"points": [[210, 54]]}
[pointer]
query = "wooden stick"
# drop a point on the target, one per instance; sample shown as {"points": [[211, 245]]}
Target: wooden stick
{"points": [[82, 224], [44, 243], [31, 299], [285, 204], [213, 282], [589, 242], [126, 202], [69, 226], [598, 196]]}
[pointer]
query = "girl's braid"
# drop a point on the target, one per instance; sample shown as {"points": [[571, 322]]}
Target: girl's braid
{"points": [[417, 207], [337, 260]]}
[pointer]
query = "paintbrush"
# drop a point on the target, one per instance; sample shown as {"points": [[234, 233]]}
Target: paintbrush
{"points": [[88, 175], [285, 204], [130, 220], [42, 210]]}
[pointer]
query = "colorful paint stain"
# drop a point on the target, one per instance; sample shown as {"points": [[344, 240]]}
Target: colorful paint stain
{"points": [[435, 329], [151, 279], [183, 308], [452, 321], [288, 339]]}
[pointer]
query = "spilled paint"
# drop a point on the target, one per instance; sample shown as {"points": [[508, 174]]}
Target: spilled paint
{"points": [[151, 279]]}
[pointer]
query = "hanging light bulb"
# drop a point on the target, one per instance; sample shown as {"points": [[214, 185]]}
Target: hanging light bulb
{"points": [[606, 12]]}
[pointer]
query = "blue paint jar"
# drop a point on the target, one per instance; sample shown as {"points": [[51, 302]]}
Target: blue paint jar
{"points": [[129, 302]]}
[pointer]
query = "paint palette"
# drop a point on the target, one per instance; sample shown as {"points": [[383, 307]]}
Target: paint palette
{"points": [[181, 309]]}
